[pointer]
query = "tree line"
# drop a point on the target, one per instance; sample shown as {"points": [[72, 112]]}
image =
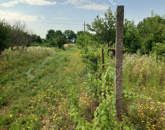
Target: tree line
{"points": [[58, 38], [146, 37], [16, 35]]}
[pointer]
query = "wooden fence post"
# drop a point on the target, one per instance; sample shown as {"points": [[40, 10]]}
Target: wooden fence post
{"points": [[102, 59], [119, 59]]}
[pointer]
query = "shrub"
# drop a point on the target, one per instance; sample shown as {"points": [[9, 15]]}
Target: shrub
{"points": [[159, 50], [58, 41], [4, 35], [91, 56], [85, 39]]}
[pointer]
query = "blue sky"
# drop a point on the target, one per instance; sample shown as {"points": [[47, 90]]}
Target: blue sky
{"points": [[42, 15]]}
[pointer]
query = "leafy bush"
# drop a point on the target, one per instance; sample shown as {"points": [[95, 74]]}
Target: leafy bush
{"points": [[131, 37], [151, 31], [4, 36], [84, 39], [15, 35], [91, 57], [58, 41], [143, 79], [70, 36], [159, 50]]}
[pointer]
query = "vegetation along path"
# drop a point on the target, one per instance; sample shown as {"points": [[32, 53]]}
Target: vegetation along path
{"points": [[36, 94]]}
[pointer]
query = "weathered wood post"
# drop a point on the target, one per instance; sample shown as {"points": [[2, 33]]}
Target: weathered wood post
{"points": [[102, 59], [119, 59]]}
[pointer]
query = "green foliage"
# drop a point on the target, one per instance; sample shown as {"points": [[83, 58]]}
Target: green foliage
{"points": [[159, 50], [76, 97], [50, 35], [36, 101], [4, 34], [70, 35], [59, 90], [56, 38], [3, 101], [58, 41], [143, 79], [151, 30], [85, 39], [104, 28], [91, 57], [27, 122], [142, 38], [144, 70], [15, 35], [143, 91], [35, 38], [131, 37], [79, 32]]}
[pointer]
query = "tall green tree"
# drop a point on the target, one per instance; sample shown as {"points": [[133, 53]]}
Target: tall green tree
{"points": [[13, 35], [70, 35], [84, 39], [18, 35], [58, 41], [36, 38], [131, 37], [57, 38], [79, 32], [4, 36], [50, 35], [104, 28], [58, 33], [152, 31]]}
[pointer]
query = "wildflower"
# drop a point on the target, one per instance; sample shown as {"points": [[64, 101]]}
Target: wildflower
{"points": [[11, 115]]}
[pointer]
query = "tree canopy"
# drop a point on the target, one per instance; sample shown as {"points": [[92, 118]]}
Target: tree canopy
{"points": [[70, 35], [104, 27]]}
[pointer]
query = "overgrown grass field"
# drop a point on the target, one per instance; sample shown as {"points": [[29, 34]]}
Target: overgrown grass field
{"points": [[35, 85], [49, 88]]}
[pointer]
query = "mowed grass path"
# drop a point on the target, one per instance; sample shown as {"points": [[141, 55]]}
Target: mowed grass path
{"points": [[35, 88]]}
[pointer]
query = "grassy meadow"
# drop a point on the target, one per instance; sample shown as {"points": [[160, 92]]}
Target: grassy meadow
{"points": [[65, 79], [49, 88], [35, 87]]}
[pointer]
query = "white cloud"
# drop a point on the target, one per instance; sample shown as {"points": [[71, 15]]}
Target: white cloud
{"points": [[94, 7], [76, 2], [29, 2], [87, 4], [16, 16], [9, 4]]}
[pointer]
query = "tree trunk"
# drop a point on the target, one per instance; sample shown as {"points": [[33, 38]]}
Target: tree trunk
{"points": [[119, 59]]}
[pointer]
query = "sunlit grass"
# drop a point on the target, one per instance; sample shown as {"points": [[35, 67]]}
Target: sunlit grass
{"points": [[145, 74], [47, 88], [35, 85]]}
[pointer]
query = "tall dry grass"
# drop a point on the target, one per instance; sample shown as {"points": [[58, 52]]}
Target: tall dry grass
{"points": [[144, 76], [11, 58], [29, 52], [144, 70]]}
